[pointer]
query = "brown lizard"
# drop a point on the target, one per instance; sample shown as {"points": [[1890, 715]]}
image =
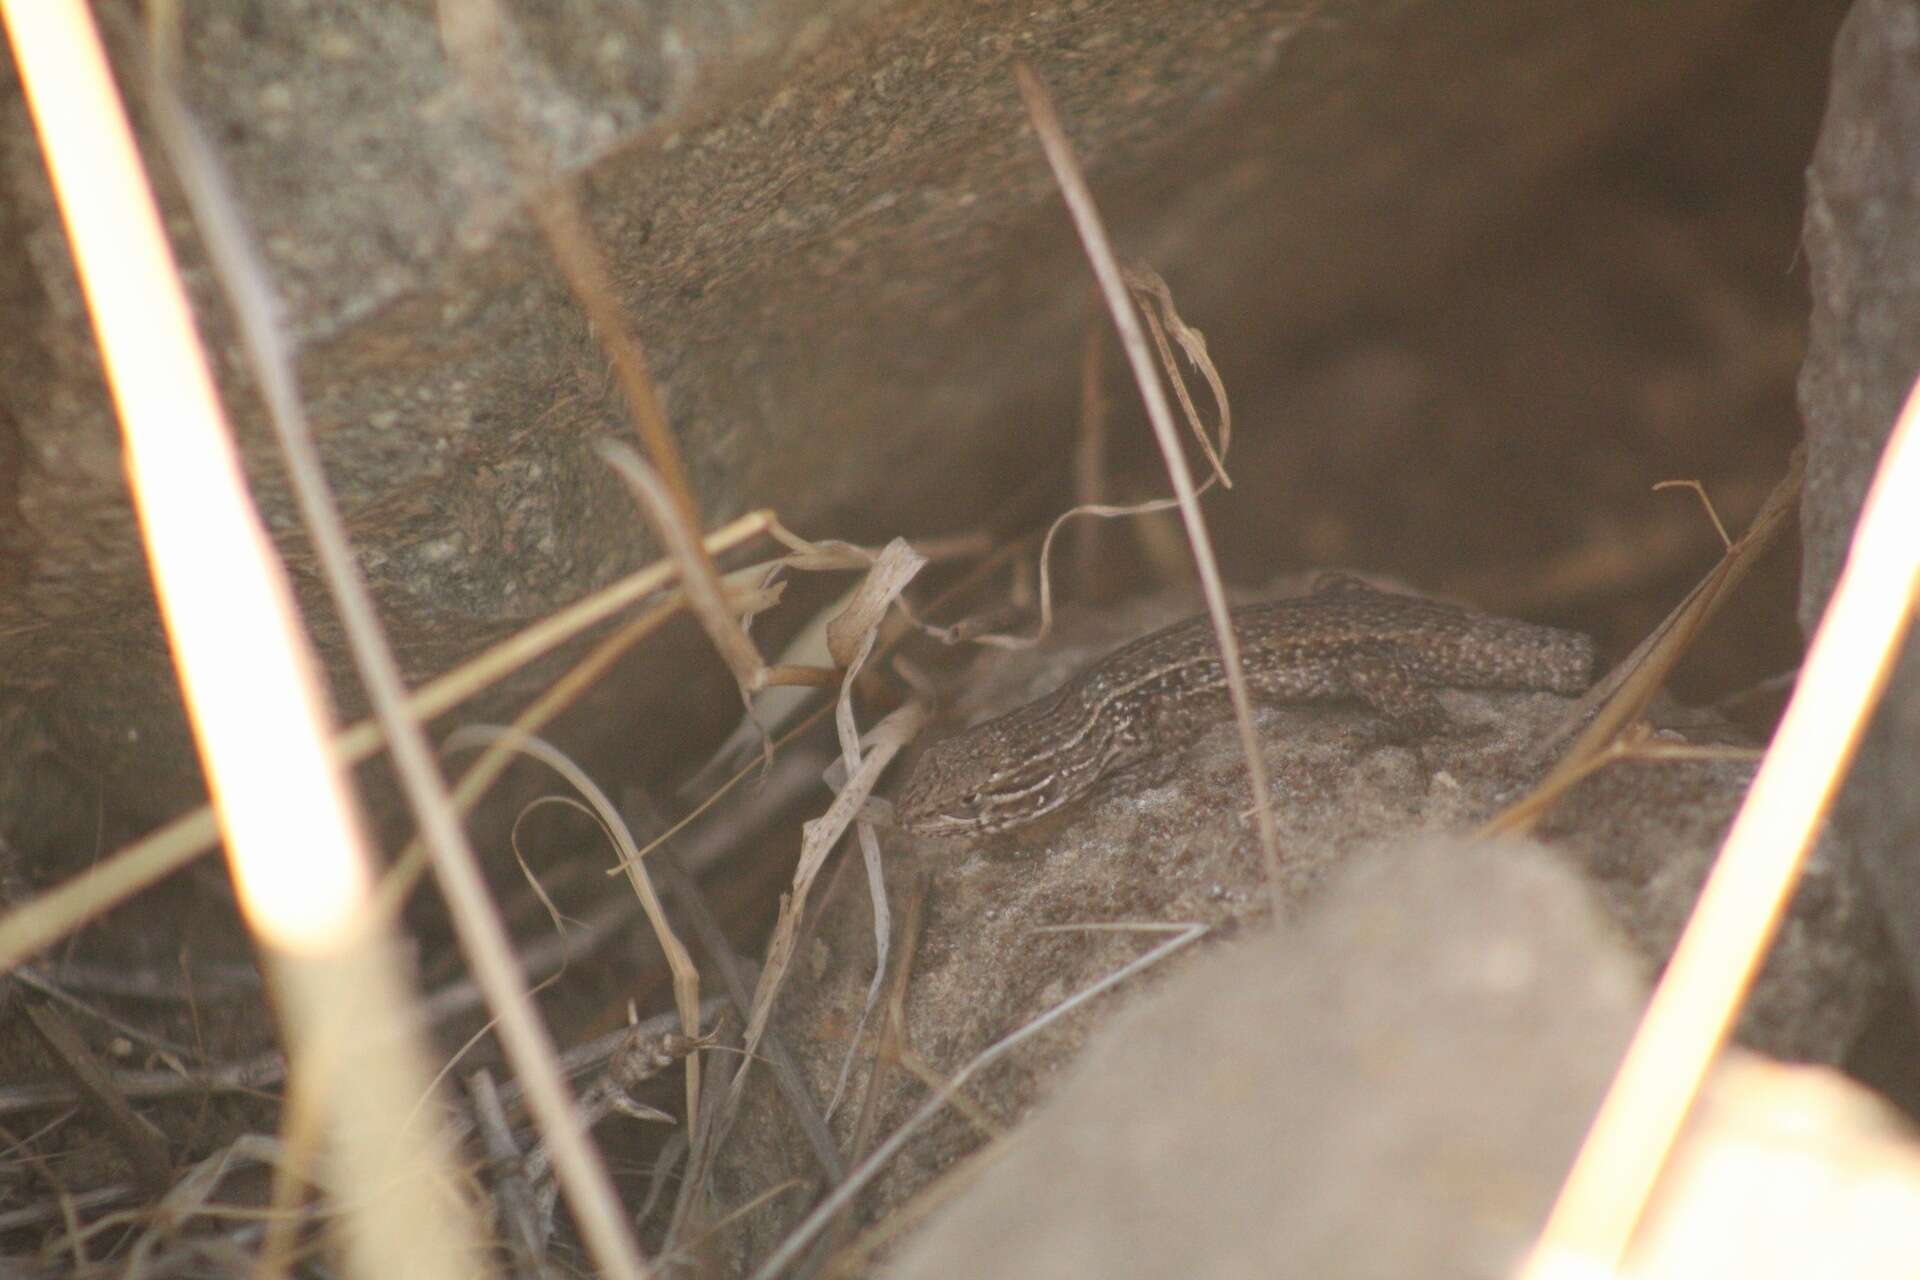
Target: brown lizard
{"points": [[1344, 641]]}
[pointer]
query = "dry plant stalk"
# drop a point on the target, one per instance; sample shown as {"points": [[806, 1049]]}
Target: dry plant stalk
{"points": [[1086, 218], [702, 584], [1739, 908], [819, 837], [1623, 694], [44, 920], [248, 673], [686, 974], [556, 698], [1156, 304], [1090, 453], [857, 1179]]}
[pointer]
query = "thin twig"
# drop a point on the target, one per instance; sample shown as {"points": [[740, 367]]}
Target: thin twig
{"points": [[205, 984], [1739, 908], [42, 921], [34, 980], [510, 1189], [1086, 218], [786, 1071], [476, 920], [686, 975], [862, 1174], [1623, 695], [143, 1144], [249, 1075]]}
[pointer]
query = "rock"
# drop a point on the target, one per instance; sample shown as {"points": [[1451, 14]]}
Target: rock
{"points": [[830, 227], [1862, 241], [1393, 1086]]}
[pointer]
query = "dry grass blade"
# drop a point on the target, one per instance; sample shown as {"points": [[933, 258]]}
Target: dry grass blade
{"points": [[859, 630], [1622, 696], [1739, 908], [1001, 640], [818, 839], [822, 1213], [774, 707], [43, 921], [297, 849], [1635, 742], [852, 631], [852, 1260], [686, 974], [543, 637], [555, 699], [703, 589], [1148, 286], [720, 792], [1700, 491], [1093, 235], [900, 563], [1090, 455], [851, 641], [1162, 317]]}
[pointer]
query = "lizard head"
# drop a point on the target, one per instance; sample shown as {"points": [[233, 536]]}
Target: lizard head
{"points": [[974, 784]]}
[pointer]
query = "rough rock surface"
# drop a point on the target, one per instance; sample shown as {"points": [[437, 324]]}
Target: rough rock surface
{"points": [[1174, 846], [1391, 1087], [1863, 245], [1394, 1088], [827, 223]]}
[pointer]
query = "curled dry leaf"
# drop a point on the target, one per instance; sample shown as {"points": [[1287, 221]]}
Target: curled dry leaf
{"points": [[686, 974], [893, 569], [851, 632], [1155, 300]]}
